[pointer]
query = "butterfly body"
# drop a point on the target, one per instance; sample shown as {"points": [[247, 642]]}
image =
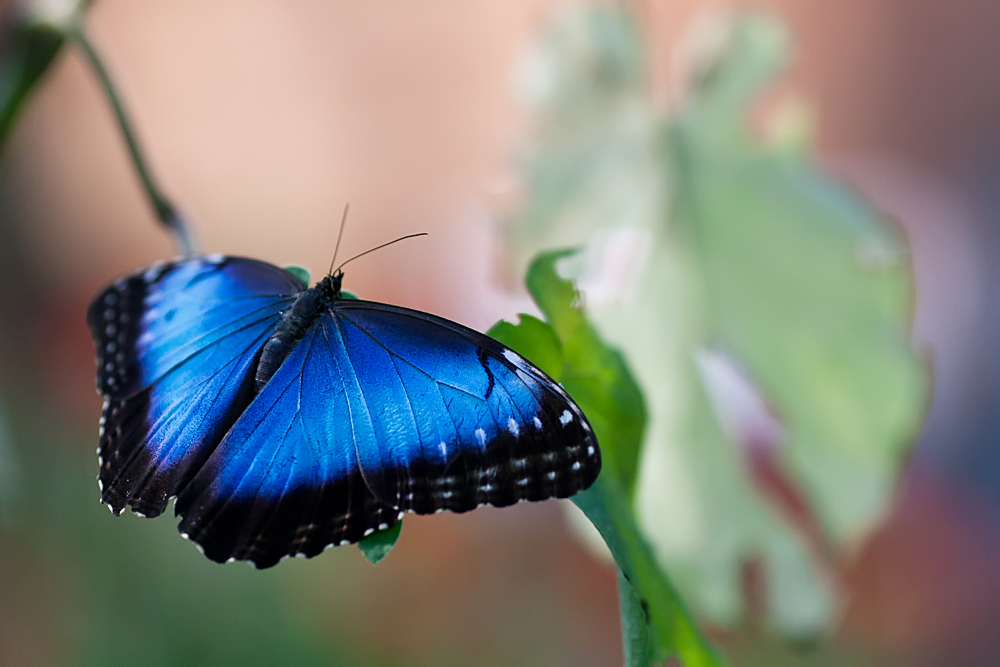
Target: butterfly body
{"points": [[293, 325], [286, 419]]}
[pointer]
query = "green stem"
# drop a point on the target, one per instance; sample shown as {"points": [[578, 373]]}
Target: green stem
{"points": [[165, 211]]}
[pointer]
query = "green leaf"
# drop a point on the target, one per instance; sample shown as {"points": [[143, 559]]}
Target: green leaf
{"points": [[635, 624], [570, 351], [535, 340], [299, 272], [671, 628], [344, 294], [26, 56], [655, 622], [377, 546], [701, 243]]}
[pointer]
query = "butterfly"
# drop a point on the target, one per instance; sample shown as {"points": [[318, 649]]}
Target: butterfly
{"points": [[285, 419]]}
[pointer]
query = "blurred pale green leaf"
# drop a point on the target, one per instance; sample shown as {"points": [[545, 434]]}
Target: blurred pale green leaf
{"points": [[805, 285], [699, 240], [377, 546], [590, 67], [655, 622]]}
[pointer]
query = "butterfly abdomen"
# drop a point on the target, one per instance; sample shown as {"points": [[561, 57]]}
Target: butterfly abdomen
{"points": [[294, 323]]}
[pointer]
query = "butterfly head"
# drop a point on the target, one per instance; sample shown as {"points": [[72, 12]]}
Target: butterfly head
{"points": [[330, 285]]}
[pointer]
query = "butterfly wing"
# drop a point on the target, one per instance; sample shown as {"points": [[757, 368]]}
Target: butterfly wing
{"points": [[377, 411], [176, 345], [458, 420]]}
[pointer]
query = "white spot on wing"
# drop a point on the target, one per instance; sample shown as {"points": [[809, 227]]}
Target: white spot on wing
{"points": [[538, 422], [566, 417], [153, 273], [444, 449], [369, 531], [512, 427], [481, 436]]}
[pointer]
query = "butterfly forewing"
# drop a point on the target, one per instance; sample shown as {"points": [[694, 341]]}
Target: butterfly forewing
{"points": [[175, 344]]}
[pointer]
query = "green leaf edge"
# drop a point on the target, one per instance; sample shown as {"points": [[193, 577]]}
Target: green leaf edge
{"points": [[670, 626]]}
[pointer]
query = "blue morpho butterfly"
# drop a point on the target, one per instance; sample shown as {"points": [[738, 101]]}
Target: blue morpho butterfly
{"points": [[287, 419]]}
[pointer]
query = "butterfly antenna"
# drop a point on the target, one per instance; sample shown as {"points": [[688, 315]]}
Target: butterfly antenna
{"points": [[340, 235], [401, 238]]}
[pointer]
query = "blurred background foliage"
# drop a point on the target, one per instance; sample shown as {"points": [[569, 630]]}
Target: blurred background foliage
{"points": [[747, 288], [763, 309]]}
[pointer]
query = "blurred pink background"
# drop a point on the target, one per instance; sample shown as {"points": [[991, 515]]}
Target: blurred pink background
{"points": [[262, 119]]}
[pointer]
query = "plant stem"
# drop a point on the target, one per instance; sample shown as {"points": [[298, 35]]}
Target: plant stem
{"points": [[165, 211]]}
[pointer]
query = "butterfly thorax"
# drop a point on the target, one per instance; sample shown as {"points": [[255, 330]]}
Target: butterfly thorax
{"points": [[293, 326]]}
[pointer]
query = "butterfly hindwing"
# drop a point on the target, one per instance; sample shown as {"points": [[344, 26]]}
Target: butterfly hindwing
{"points": [[175, 346], [285, 480]]}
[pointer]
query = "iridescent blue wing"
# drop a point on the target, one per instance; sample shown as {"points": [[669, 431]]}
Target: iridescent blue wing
{"points": [[454, 419], [176, 347], [377, 411], [285, 479]]}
